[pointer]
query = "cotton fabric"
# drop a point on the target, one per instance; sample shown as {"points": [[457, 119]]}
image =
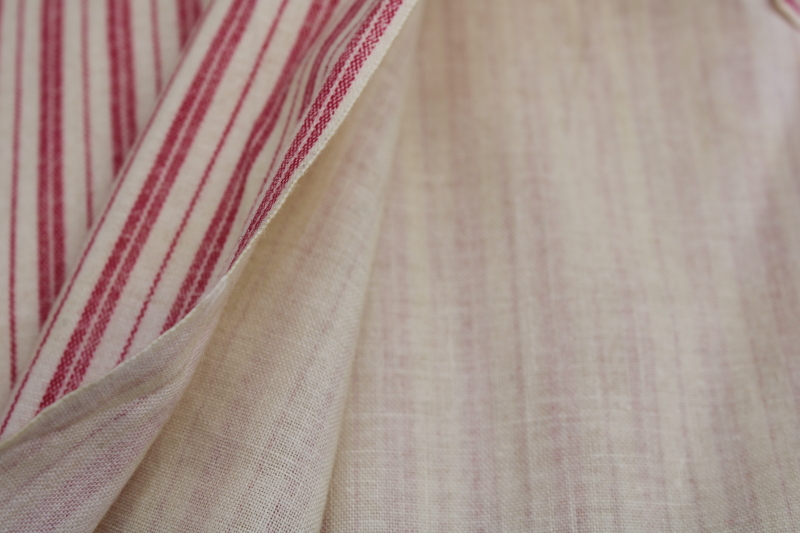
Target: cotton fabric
{"points": [[389, 266]]}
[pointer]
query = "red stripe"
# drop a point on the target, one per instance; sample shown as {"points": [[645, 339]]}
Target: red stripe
{"points": [[183, 32], [123, 89], [50, 206], [794, 5], [43, 180], [117, 150], [87, 132], [203, 180], [287, 168], [12, 256], [197, 13], [219, 228], [104, 298]]}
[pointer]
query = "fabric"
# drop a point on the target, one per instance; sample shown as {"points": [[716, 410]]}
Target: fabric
{"points": [[385, 265]]}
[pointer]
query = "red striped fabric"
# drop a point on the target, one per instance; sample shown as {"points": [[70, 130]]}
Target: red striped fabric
{"points": [[122, 114], [146, 235], [65, 206], [69, 360]]}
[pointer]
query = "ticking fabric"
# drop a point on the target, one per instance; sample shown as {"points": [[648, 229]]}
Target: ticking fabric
{"points": [[386, 265]]}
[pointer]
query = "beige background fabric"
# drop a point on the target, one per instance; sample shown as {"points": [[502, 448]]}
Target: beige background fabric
{"points": [[583, 312], [543, 278]]}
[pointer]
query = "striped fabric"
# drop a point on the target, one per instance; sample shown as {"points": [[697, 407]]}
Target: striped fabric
{"points": [[386, 265], [75, 94]]}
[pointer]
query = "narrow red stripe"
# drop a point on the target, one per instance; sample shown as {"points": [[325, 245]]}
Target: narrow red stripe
{"points": [[794, 4], [102, 302], [12, 256]]}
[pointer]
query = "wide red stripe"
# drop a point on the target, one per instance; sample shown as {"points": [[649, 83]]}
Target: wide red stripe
{"points": [[189, 12], [50, 194], [99, 309], [128, 72], [115, 90], [44, 163]]}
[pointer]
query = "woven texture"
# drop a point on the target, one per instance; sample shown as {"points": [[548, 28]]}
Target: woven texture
{"points": [[384, 265]]}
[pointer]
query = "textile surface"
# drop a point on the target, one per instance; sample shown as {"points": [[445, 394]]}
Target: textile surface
{"points": [[385, 265]]}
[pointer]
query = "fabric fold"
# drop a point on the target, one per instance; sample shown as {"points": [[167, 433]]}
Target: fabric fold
{"points": [[275, 92], [62, 461], [268, 395]]}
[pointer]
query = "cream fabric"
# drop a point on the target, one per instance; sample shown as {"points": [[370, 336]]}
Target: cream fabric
{"points": [[538, 271]]}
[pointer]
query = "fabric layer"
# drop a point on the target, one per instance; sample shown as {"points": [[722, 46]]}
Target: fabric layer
{"points": [[583, 310]]}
